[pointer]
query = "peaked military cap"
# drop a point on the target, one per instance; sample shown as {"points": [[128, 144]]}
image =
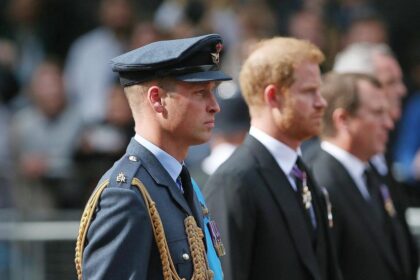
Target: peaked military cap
{"points": [[194, 59]]}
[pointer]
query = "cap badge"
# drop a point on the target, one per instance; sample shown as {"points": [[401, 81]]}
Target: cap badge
{"points": [[215, 56]]}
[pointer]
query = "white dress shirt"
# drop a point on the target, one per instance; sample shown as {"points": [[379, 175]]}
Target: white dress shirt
{"points": [[284, 155]]}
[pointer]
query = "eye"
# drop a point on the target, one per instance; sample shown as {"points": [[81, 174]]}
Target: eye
{"points": [[200, 92]]}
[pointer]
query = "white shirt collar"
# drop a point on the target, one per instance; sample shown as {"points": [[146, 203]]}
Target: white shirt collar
{"points": [[171, 165], [354, 166], [284, 155], [379, 162]]}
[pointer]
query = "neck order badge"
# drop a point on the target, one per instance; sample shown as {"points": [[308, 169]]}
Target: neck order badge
{"points": [[302, 186]]}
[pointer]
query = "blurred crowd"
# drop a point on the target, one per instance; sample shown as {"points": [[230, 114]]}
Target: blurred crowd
{"points": [[64, 117]]}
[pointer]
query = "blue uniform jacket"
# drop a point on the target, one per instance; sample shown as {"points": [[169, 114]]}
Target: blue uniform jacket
{"points": [[120, 242]]}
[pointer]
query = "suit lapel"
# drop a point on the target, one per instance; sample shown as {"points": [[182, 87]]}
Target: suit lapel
{"points": [[285, 197], [396, 225], [360, 205]]}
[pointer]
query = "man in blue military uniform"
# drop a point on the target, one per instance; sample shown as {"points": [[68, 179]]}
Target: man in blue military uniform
{"points": [[145, 219]]}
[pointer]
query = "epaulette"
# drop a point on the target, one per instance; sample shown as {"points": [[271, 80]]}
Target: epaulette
{"points": [[124, 171], [122, 175]]}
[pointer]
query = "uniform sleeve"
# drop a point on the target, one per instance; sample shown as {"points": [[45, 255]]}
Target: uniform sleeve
{"points": [[119, 239]]}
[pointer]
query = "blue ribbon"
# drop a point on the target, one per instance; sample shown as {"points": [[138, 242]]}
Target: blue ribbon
{"points": [[214, 261]]}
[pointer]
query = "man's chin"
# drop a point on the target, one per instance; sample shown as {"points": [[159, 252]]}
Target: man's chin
{"points": [[201, 140]]}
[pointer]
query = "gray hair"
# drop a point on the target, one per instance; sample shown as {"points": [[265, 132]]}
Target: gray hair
{"points": [[358, 58]]}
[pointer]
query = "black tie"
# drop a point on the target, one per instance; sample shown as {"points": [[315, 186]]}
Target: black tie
{"points": [[372, 185], [188, 189]]}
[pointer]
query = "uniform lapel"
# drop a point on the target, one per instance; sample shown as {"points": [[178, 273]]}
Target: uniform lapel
{"points": [[360, 206], [285, 197], [158, 173]]}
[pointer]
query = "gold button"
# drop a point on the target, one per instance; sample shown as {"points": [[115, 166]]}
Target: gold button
{"points": [[205, 210], [186, 257]]}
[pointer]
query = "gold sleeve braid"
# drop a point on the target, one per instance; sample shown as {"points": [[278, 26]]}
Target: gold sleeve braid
{"points": [[194, 234]]}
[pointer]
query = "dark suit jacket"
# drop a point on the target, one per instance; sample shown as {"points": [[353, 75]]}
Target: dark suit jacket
{"points": [[367, 248], [262, 223], [120, 242]]}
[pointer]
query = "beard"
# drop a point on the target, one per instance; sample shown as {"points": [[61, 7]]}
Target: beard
{"points": [[297, 127]]}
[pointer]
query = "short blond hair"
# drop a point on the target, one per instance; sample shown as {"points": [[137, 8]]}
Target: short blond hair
{"points": [[272, 62], [136, 94]]}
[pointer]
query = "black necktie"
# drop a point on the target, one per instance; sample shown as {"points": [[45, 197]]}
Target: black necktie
{"points": [[372, 184], [188, 189]]}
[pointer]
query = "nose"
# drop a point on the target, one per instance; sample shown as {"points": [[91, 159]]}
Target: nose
{"points": [[401, 89], [320, 101], [388, 122], [213, 106]]}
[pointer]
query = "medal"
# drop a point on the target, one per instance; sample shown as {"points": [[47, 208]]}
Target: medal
{"points": [[217, 240], [329, 207], [388, 203], [306, 193], [306, 197]]}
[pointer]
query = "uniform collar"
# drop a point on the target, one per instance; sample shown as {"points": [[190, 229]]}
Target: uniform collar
{"points": [[171, 165]]}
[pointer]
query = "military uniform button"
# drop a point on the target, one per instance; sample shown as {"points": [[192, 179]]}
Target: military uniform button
{"points": [[205, 210], [133, 158], [186, 257]]}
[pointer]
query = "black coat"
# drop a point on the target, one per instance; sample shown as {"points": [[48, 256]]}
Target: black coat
{"points": [[262, 224], [368, 248]]}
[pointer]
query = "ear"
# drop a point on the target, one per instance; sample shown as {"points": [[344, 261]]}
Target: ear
{"points": [[154, 97], [271, 96], [341, 118]]}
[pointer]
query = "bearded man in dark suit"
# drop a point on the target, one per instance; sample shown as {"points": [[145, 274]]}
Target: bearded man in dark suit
{"points": [[271, 213]]}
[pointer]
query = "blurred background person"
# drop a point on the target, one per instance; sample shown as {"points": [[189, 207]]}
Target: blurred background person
{"points": [[144, 32], [7, 88], [308, 25], [101, 144], [372, 241], [43, 138], [407, 148], [250, 30], [367, 29], [21, 27], [379, 61], [87, 71]]}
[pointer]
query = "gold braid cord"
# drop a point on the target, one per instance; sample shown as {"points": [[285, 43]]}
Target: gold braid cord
{"points": [[198, 252], [194, 234], [84, 225]]}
